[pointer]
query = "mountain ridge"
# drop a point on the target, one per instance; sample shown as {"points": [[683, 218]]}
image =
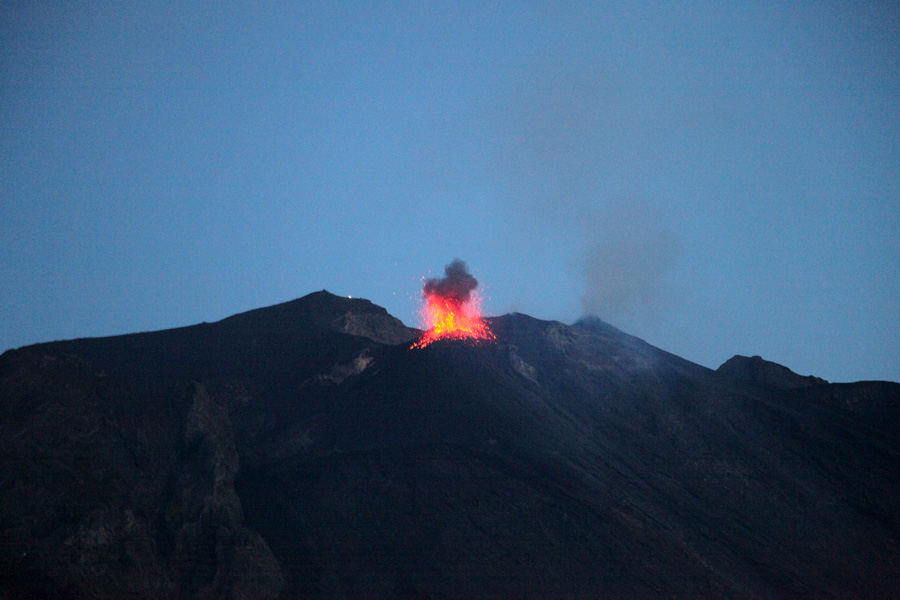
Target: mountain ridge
{"points": [[277, 453]]}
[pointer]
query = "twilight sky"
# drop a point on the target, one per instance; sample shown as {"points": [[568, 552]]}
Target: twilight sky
{"points": [[715, 178]]}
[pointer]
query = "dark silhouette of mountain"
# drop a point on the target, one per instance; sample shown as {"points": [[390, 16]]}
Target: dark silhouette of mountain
{"points": [[756, 371], [305, 451]]}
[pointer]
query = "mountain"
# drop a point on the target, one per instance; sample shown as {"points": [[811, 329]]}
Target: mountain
{"points": [[756, 371], [304, 451]]}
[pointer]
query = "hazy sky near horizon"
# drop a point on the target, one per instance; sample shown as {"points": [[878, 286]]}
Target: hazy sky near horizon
{"points": [[715, 178]]}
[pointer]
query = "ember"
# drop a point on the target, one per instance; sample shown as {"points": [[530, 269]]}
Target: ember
{"points": [[452, 310]]}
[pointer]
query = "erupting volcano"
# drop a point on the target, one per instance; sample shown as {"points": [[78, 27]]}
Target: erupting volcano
{"points": [[451, 309]]}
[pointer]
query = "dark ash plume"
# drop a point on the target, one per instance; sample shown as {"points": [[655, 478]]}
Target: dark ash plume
{"points": [[456, 284]]}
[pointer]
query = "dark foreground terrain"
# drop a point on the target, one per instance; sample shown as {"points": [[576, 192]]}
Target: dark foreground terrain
{"points": [[304, 451]]}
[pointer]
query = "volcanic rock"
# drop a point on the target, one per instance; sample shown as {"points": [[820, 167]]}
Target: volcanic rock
{"points": [[756, 371], [306, 451]]}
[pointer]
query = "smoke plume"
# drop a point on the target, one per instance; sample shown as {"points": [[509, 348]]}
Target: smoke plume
{"points": [[456, 285], [576, 146], [627, 273]]}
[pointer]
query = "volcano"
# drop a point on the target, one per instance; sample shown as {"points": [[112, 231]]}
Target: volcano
{"points": [[306, 451]]}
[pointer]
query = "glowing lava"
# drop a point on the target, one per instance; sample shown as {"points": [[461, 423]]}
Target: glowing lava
{"points": [[451, 310]]}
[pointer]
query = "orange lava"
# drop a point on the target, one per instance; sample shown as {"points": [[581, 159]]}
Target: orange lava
{"points": [[447, 318]]}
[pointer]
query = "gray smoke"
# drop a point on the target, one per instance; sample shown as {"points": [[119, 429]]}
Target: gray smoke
{"points": [[574, 146], [627, 269], [456, 285]]}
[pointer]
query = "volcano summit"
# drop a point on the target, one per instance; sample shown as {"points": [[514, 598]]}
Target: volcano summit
{"points": [[304, 450]]}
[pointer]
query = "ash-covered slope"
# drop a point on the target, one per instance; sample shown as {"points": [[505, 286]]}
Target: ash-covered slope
{"points": [[304, 451]]}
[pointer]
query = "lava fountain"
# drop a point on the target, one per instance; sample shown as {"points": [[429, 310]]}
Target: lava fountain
{"points": [[452, 309]]}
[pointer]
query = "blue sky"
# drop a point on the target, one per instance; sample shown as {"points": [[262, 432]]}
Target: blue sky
{"points": [[715, 178]]}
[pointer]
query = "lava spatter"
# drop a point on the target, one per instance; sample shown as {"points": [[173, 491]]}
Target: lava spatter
{"points": [[452, 309]]}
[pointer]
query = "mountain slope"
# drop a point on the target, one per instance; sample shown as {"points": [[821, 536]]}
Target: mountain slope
{"points": [[305, 451]]}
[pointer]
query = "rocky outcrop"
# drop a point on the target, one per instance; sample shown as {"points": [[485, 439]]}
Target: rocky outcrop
{"points": [[763, 373], [215, 555], [106, 493], [383, 329], [353, 316]]}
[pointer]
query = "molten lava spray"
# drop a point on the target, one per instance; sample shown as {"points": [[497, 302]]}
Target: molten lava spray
{"points": [[451, 308]]}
